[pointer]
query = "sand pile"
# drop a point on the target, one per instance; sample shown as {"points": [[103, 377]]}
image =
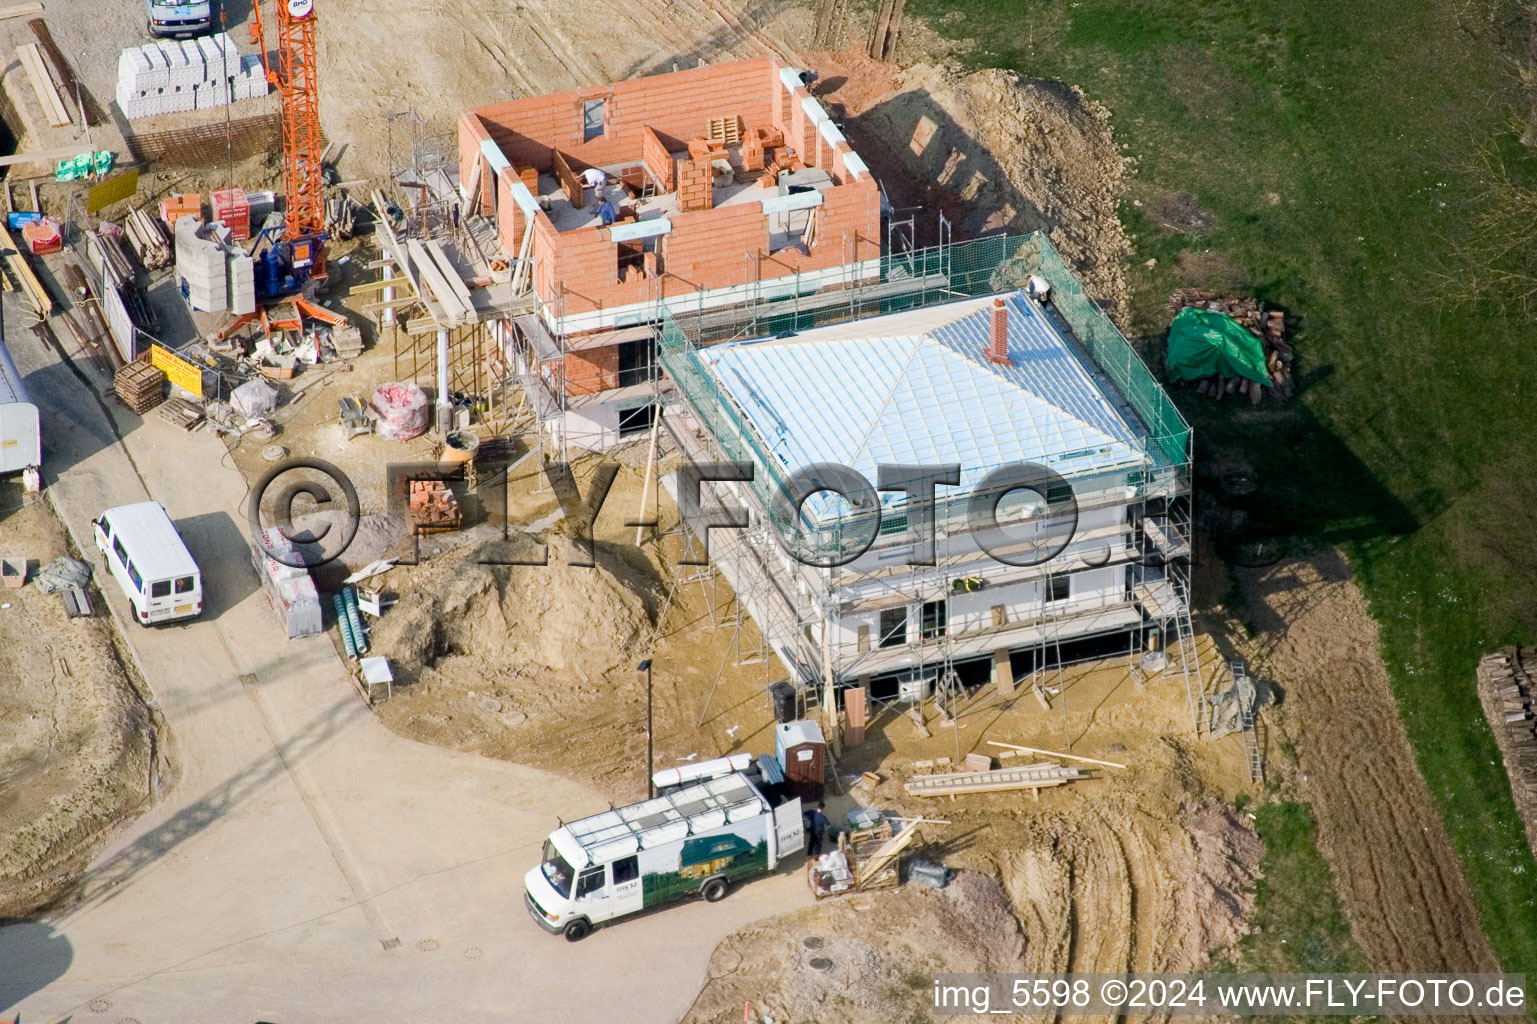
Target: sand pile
{"points": [[862, 958], [518, 621]]}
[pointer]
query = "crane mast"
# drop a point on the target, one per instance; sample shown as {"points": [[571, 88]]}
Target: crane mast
{"points": [[292, 71]]}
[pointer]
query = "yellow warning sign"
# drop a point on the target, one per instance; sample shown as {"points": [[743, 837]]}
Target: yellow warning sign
{"points": [[114, 189], [177, 370]]}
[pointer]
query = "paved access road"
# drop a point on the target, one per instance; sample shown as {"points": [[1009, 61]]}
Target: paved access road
{"points": [[304, 863]]}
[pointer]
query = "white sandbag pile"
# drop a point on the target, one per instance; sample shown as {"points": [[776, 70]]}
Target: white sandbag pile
{"points": [[171, 76]]}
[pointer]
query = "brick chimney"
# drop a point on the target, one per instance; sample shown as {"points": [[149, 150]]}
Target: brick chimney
{"points": [[998, 351]]}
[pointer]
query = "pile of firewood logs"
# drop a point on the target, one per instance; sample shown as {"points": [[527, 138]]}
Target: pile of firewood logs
{"points": [[1269, 327]]}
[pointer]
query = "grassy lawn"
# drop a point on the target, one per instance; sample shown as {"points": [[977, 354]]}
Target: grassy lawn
{"points": [[1299, 925], [1336, 147]]}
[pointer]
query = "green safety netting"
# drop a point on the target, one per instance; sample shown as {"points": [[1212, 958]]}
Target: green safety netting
{"points": [[1203, 343]]}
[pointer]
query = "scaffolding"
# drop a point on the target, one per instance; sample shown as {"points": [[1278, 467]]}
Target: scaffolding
{"points": [[790, 602]]}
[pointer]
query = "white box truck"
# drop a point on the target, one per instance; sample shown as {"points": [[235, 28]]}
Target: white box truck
{"points": [[696, 839], [21, 443], [146, 556]]}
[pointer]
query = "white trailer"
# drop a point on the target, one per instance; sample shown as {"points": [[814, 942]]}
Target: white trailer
{"points": [[21, 444], [695, 840]]}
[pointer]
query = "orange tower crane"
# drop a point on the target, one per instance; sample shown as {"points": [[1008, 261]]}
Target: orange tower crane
{"points": [[294, 77]]}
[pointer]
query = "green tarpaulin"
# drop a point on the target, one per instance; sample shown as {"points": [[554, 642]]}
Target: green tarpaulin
{"points": [[1203, 343]]}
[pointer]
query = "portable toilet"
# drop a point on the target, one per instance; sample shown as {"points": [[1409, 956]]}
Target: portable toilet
{"points": [[802, 753]]}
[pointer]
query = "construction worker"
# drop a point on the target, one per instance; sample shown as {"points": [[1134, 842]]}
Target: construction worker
{"points": [[606, 212], [819, 828], [595, 179]]}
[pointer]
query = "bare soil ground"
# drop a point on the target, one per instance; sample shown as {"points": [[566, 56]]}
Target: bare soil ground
{"points": [[76, 755], [993, 152], [1400, 882]]}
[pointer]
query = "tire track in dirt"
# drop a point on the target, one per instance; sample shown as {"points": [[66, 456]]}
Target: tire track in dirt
{"points": [[1399, 880]]}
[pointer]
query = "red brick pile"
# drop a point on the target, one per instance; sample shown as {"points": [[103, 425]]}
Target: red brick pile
{"points": [[432, 506]]}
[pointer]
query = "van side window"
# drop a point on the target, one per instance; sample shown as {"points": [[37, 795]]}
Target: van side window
{"points": [[626, 870], [138, 581], [160, 588], [184, 584], [120, 551], [589, 882]]}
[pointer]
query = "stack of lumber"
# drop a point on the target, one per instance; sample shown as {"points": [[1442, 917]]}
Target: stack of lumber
{"points": [[140, 385], [1507, 689], [432, 506], [48, 98], [1267, 325], [42, 302], [146, 235]]}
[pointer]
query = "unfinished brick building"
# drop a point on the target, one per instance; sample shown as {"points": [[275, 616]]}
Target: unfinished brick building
{"points": [[728, 185]]}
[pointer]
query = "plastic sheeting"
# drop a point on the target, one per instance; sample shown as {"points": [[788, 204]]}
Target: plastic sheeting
{"points": [[254, 399], [402, 410], [1204, 343]]}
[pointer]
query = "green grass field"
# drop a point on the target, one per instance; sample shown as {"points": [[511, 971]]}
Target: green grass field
{"points": [[1338, 149]]}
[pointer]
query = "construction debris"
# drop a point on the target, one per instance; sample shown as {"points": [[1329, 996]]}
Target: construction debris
{"points": [[1230, 707], [401, 410], [1267, 325], [1507, 689], [61, 574]]}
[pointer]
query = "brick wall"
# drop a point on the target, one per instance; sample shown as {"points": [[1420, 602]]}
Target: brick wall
{"points": [[677, 105], [657, 157], [593, 369]]}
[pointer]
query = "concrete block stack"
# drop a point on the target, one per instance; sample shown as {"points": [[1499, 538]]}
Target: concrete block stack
{"points": [[240, 272], [169, 76], [200, 269]]}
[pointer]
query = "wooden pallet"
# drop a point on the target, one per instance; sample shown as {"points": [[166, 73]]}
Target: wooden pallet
{"points": [[140, 385]]}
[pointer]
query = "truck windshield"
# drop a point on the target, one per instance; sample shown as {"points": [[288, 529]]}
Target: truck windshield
{"points": [[556, 871]]}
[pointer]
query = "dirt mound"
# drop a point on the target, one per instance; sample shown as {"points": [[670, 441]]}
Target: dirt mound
{"points": [[1409, 905], [523, 620], [1007, 153], [75, 760], [862, 958], [535, 663]]}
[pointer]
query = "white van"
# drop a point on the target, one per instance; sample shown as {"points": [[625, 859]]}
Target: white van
{"points": [[149, 560], [698, 838]]}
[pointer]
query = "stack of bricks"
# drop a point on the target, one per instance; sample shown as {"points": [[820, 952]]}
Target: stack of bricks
{"points": [[174, 208], [696, 185], [230, 206], [786, 160], [433, 506], [758, 144]]}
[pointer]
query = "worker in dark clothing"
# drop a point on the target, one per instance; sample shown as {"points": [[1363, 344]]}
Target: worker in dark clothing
{"points": [[606, 212], [819, 828]]}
